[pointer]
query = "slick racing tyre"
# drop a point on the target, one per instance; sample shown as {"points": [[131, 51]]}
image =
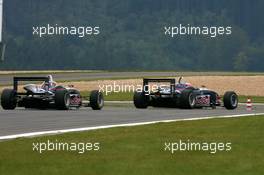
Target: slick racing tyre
{"points": [[8, 99], [140, 100], [62, 99], [230, 100], [96, 100], [187, 99]]}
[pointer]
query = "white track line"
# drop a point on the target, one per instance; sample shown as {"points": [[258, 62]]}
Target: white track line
{"points": [[254, 104], [42, 133]]}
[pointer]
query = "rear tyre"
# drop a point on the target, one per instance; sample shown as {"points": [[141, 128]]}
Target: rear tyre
{"points": [[62, 99], [8, 99], [96, 100], [187, 99], [140, 100], [230, 100]]}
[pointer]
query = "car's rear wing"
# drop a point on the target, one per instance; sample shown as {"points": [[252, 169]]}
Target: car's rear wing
{"points": [[171, 81], [19, 79]]}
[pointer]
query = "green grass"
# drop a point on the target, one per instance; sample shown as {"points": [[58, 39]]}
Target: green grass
{"points": [[177, 74], [185, 73], [34, 72], [122, 96], [254, 99], [128, 96], [140, 150]]}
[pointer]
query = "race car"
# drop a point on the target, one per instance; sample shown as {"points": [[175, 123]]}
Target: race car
{"points": [[47, 95], [181, 95]]}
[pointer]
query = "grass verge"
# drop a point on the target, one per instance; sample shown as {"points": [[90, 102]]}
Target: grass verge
{"points": [[34, 72], [128, 96], [255, 99], [124, 96], [140, 150], [182, 73]]}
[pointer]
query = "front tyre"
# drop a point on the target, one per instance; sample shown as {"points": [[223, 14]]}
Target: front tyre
{"points": [[8, 99], [96, 100], [230, 100], [140, 100], [62, 99]]}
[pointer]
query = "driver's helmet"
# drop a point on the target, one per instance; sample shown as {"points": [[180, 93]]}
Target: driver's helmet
{"points": [[50, 78], [188, 85], [50, 84], [182, 84]]}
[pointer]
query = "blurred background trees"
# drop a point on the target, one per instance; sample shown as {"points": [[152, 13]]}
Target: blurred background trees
{"points": [[132, 35]]}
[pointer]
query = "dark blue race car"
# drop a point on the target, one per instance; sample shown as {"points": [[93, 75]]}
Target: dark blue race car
{"points": [[157, 93]]}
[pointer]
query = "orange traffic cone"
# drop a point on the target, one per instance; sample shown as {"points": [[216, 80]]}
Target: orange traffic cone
{"points": [[249, 104]]}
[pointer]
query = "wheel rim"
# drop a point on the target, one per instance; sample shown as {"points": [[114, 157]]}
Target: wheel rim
{"points": [[67, 100], [234, 100], [191, 100], [100, 100]]}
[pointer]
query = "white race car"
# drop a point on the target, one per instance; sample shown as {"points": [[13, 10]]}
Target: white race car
{"points": [[47, 95]]}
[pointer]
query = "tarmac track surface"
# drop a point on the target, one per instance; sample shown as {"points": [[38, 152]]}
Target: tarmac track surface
{"points": [[21, 121]]}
